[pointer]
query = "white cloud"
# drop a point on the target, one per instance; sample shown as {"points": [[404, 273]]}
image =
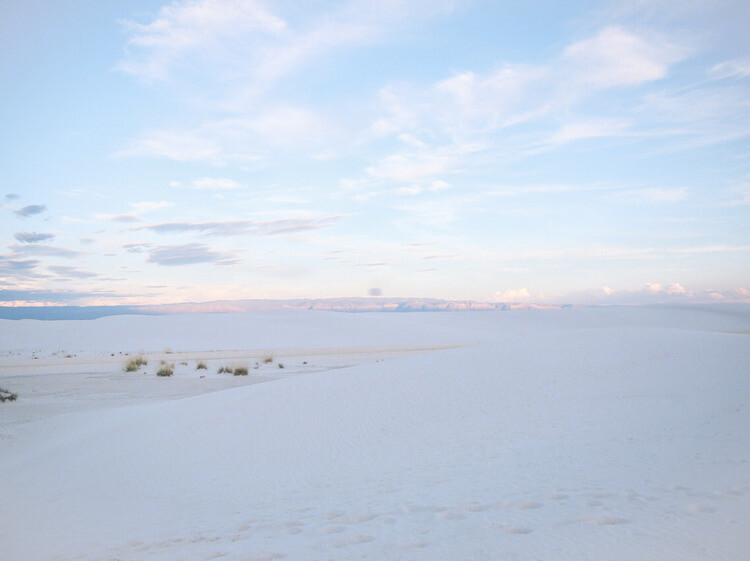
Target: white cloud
{"points": [[739, 195], [737, 68], [250, 47], [586, 129], [653, 195], [136, 210], [180, 145], [149, 206], [246, 139], [654, 293], [616, 57], [511, 295], [193, 29], [209, 184], [405, 168]]}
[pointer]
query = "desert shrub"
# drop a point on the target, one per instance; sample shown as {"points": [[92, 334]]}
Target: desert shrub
{"points": [[135, 363], [7, 395], [201, 366], [240, 371], [268, 360], [165, 370], [224, 369], [281, 365]]}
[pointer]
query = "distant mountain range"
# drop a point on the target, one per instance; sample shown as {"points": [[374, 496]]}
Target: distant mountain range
{"points": [[233, 306]]}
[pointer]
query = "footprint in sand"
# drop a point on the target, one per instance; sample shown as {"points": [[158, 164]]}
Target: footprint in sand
{"points": [[334, 514], [596, 520], [475, 508], [263, 556], [697, 508], [526, 504], [608, 520], [449, 516], [358, 518], [354, 540], [409, 545], [507, 528]]}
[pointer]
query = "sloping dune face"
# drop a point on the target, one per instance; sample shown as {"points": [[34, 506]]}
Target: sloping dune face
{"points": [[588, 434]]}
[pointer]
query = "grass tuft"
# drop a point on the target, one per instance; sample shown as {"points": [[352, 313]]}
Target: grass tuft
{"points": [[135, 363], [268, 360], [241, 371], [7, 395], [201, 366], [224, 369], [165, 370]]}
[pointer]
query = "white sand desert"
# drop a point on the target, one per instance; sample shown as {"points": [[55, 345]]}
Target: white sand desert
{"points": [[582, 434]]}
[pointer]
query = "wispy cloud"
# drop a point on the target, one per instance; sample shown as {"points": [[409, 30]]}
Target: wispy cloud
{"points": [[617, 57], [188, 254], [136, 211], [138, 247], [30, 210], [246, 139], [654, 293], [652, 195], [14, 267], [209, 184], [512, 295], [71, 272], [190, 30], [43, 249], [737, 68], [52, 296], [244, 227], [32, 237]]}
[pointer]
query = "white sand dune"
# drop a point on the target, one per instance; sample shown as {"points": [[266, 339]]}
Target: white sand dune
{"points": [[617, 433]]}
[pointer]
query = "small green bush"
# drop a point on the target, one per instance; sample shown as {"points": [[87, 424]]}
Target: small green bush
{"points": [[201, 366], [135, 363], [166, 370], [241, 371]]}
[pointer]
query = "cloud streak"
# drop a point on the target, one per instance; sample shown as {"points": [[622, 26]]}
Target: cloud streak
{"points": [[30, 210], [32, 237], [244, 227], [44, 250], [188, 254]]}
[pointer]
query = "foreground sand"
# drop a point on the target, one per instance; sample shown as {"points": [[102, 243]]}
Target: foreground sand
{"points": [[572, 434]]}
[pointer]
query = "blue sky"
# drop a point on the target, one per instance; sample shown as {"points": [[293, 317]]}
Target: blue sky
{"points": [[198, 150]]}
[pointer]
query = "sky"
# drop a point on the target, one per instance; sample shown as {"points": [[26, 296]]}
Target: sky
{"points": [[196, 150]]}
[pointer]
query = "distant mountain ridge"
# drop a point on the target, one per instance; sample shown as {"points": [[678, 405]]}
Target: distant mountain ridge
{"points": [[352, 305]]}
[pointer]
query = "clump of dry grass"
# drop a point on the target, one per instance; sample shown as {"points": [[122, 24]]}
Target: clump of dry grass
{"points": [[268, 360], [165, 370], [201, 366], [240, 371], [135, 363], [224, 369], [7, 395]]}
